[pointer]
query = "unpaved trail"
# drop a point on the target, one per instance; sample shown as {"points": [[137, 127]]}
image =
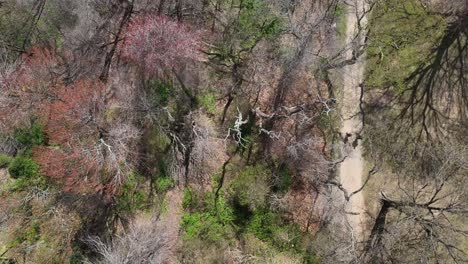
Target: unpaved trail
{"points": [[171, 222], [351, 170]]}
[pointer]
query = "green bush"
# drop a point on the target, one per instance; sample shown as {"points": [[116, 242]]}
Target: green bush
{"points": [[262, 224], [208, 102], [27, 174], [269, 227], [29, 137], [189, 199], [157, 143], [214, 222], [32, 234], [22, 167], [159, 92], [251, 187], [256, 21], [5, 161], [132, 197], [340, 19], [163, 184], [283, 180]]}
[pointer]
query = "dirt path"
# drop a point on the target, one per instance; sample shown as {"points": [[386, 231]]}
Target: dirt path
{"points": [[351, 170], [171, 222]]}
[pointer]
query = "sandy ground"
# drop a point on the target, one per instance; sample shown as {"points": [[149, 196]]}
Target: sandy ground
{"points": [[351, 170]]}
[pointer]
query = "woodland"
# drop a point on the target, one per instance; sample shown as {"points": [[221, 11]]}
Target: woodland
{"points": [[233, 131]]}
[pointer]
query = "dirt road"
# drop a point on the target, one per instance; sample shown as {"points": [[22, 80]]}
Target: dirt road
{"points": [[351, 170]]}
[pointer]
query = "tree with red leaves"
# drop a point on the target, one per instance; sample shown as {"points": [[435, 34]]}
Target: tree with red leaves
{"points": [[157, 43], [70, 167], [32, 83], [85, 151], [77, 114], [90, 146]]}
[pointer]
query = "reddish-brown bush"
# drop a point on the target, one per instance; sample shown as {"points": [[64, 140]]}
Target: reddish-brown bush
{"points": [[69, 167], [33, 82], [156, 43], [85, 152], [76, 116]]}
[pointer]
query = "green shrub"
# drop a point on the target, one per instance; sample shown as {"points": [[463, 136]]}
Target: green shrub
{"points": [[283, 180], [132, 197], [29, 137], [159, 92], [22, 167], [57, 15], [163, 184], [251, 187], [214, 222], [157, 143], [29, 234], [5, 161], [256, 21], [32, 234], [77, 256], [27, 174], [188, 201], [262, 224], [208, 102], [270, 227]]}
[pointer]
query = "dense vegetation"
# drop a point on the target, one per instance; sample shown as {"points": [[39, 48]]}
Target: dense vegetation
{"points": [[136, 131]]}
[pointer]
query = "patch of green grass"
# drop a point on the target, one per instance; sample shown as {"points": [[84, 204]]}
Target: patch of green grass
{"points": [[402, 35], [132, 197], [212, 223], [208, 102], [163, 184], [5, 161], [188, 200]]}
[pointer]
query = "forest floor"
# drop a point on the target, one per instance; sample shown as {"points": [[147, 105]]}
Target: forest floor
{"points": [[351, 169]]}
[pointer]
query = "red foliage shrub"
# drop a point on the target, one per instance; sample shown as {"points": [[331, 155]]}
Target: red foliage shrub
{"points": [[69, 167], [76, 115], [74, 121], [86, 151], [22, 91], [156, 42]]}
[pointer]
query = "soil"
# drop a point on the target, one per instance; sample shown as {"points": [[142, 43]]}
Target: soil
{"points": [[171, 221], [351, 170]]}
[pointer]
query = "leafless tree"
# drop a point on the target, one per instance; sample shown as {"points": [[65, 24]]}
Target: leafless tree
{"points": [[144, 242]]}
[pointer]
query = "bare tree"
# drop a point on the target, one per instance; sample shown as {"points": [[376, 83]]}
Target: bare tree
{"points": [[422, 219], [144, 242]]}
